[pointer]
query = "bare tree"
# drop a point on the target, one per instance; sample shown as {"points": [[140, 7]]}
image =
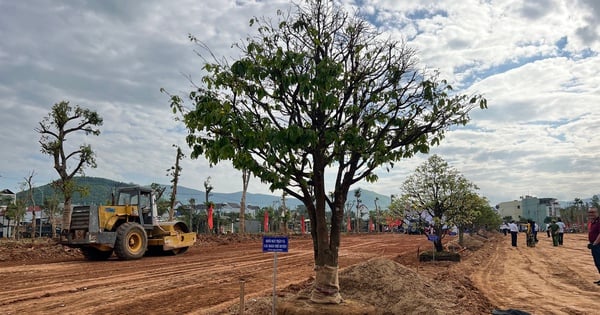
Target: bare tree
{"points": [[54, 130], [175, 171], [29, 183]]}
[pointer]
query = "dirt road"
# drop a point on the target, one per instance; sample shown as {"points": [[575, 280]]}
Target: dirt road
{"points": [[203, 280], [206, 279], [540, 280]]}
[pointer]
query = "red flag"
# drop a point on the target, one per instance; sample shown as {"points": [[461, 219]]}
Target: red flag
{"points": [[210, 217], [266, 226], [349, 226], [302, 226]]}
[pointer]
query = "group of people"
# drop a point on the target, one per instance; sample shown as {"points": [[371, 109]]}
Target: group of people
{"points": [[556, 229], [513, 229]]}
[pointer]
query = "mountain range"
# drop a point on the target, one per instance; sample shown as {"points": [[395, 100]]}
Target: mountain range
{"points": [[100, 189]]}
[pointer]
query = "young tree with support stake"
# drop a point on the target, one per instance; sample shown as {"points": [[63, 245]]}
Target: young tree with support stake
{"points": [[319, 90]]}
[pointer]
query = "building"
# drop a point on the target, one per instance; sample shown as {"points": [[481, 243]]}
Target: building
{"points": [[510, 209], [7, 197], [538, 209], [530, 208]]}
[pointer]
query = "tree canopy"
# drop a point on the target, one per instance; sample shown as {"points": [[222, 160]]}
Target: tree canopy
{"points": [[319, 91], [443, 195]]}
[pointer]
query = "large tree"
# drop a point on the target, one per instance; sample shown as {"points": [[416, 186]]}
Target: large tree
{"points": [[442, 194], [319, 90], [63, 121]]}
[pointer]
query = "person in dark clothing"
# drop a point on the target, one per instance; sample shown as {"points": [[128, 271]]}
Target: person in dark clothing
{"points": [[554, 231], [530, 236]]}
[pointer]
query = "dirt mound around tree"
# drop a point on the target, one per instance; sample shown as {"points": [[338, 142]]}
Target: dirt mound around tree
{"points": [[393, 288]]}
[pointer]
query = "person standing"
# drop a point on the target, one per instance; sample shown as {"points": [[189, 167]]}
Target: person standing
{"points": [[561, 231], [536, 228], [530, 237], [553, 228], [514, 231], [594, 237], [504, 228]]}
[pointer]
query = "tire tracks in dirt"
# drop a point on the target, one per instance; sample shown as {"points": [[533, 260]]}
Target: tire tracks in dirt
{"points": [[207, 277], [541, 280]]}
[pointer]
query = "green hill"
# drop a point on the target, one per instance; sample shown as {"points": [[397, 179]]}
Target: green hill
{"points": [[100, 190]]}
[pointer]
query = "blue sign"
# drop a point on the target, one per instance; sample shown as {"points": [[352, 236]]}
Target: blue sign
{"points": [[275, 244], [432, 237]]}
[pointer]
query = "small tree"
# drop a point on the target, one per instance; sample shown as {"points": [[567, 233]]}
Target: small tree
{"points": [[16, 212], [468, 210], [62, 121], [162, 204], [357, 194], [442, 193], [316, 90], [159, 190], [192, 204], [245, 182], [207, 190], [29, 183], [174, 172], [488, 218], [52, 212]]}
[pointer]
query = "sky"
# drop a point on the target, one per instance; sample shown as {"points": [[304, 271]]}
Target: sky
{"points": [[536, 63]]}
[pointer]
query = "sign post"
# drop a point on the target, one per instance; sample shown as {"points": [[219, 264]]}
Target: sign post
{"points": [[275, 244]]}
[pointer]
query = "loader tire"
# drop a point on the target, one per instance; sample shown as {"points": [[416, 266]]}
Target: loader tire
{"points": [[132, 241], [94, 254]]}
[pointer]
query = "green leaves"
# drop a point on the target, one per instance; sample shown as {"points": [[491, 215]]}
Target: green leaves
{"points": [[317, 93]]}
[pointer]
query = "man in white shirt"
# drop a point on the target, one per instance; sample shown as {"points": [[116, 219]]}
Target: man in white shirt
{"points": [[514, 231], [561, 231]]}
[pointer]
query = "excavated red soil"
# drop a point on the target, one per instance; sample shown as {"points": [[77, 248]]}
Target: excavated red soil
{"points": [[381, 270]]}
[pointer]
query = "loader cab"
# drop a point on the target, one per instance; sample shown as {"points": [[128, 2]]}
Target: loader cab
{"points": [[144, 199]]}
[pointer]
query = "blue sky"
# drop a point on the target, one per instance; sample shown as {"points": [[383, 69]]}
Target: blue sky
{"points": [[537, 63]]}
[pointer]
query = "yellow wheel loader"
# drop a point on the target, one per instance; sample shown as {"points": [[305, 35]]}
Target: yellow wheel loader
{"points": [[130, 228]]}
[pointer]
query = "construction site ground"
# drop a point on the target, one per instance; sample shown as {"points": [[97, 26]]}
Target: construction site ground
{"points": [[42, 277]]}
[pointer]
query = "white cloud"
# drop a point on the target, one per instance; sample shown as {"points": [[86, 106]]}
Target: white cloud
{"points": [[536, 64]]}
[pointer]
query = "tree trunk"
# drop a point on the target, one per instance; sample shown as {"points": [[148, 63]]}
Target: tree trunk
{"points": [[66, 220], [326, 289]]}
